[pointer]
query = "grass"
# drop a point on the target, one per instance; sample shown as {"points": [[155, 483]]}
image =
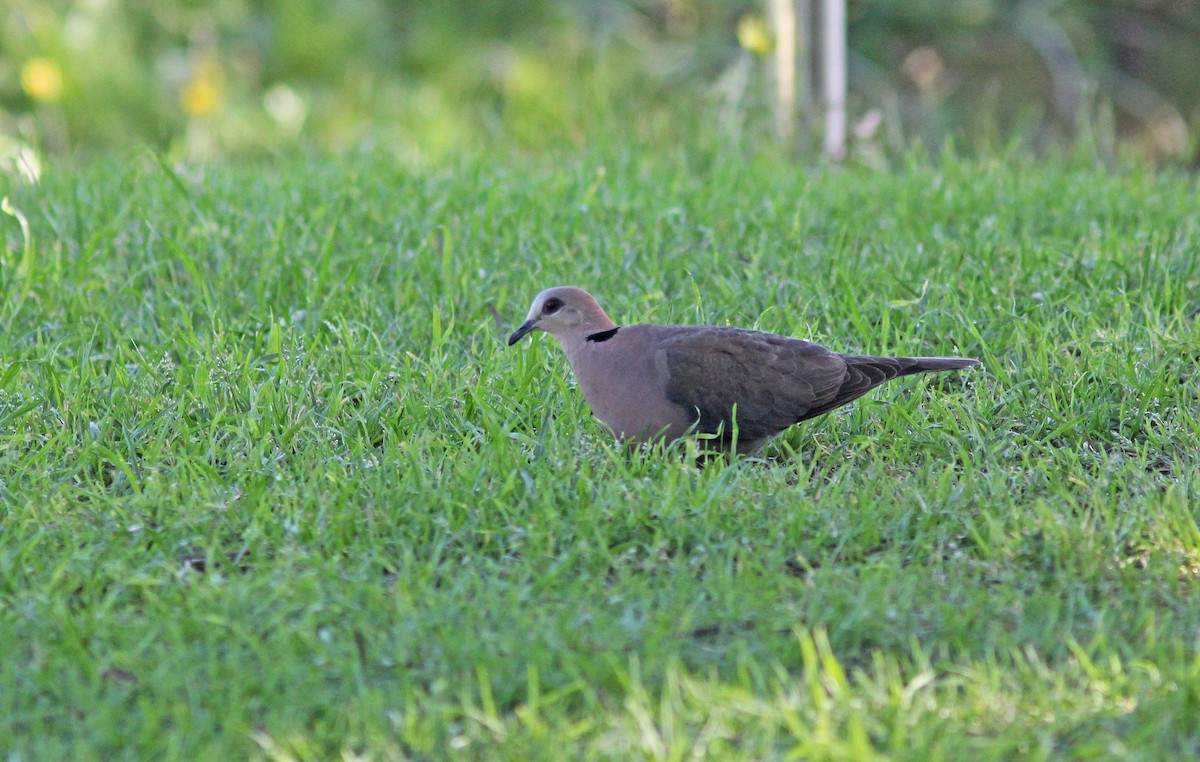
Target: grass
{"points": [[272, 486]]}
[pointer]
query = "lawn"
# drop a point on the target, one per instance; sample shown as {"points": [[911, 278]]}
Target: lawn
{"points": [[273, 486]]}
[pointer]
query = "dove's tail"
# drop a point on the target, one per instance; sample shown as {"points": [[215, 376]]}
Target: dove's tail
{"points": [[880, 369], [927, 364]]}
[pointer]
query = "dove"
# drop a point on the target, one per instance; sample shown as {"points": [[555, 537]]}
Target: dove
{"points": [[742, 387]]}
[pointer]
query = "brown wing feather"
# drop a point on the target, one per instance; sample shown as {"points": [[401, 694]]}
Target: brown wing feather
{"points": [[862, 375], [772, 380]]}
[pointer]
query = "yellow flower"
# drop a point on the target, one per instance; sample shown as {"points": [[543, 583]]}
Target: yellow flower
{"points": [[753, 34], [42, 80], [202, 94]]}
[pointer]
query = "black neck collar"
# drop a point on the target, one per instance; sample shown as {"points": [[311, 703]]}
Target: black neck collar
{"points": [[603, 335]]}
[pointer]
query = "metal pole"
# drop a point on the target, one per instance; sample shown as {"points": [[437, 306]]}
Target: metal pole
{"points": [[833, 73], [783, 16]]}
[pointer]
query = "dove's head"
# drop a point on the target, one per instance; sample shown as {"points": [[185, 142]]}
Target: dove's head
{"points": [[565, 312]]}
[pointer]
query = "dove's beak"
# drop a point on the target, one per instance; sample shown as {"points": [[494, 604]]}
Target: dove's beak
{"points": [[527, 327]]}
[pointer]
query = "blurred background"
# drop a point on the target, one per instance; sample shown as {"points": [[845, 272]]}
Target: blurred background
{"points": [[425, 78]]}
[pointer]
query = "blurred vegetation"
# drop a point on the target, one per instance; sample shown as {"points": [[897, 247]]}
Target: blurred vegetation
{"points": [[424, 78]]}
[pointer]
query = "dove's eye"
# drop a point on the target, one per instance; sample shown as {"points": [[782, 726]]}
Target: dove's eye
{"points": [[551, 306]]}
